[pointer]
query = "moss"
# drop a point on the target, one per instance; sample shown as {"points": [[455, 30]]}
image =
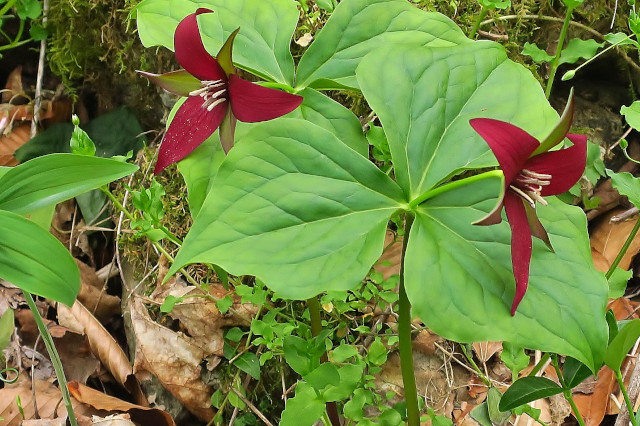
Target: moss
{"points": [[104, 59]]}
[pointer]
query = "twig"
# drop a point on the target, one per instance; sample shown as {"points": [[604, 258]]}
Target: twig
{"points": [[251, 406], [554, 19], [624, 215], [39, 78]]}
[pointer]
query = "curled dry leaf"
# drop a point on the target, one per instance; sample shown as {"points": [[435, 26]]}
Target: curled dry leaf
{"points": [[92, 295], [607, 239], [208, 334], [48, 398], [485, 350], [139, 414], [12, 141], [392, 256], [173, 358], [103, 346]]}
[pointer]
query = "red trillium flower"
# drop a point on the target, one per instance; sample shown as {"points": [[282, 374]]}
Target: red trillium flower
{"points": [[531, 172], [216, 95]]}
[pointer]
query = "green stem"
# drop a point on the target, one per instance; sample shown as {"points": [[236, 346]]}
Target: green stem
{"points": [[623, 250], [540, 364], [566, 391], [129, 216], [632, 416], [556, 59], [6, 7], [478, 21], [331, 413], [452, 185], [404, 335], [53, 354], [467, 355]]}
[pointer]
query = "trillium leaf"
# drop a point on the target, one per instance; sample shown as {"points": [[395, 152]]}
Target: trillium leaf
{"points": [[460, 283], [34, 260], [54, 178], [200, 167], [295, 207], [333, 116], [358, 27], [528, 389], [261, 47], [426, 111]]}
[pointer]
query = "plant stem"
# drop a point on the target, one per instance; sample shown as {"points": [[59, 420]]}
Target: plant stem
{"points": [[469, 357], [540, 364], [129, 216], [316, 328], [566, 391], [404, 336], [623, 250], [620, 380], [556, 59], [478, 21], [453, 185], [55, 358], [6, 7]]}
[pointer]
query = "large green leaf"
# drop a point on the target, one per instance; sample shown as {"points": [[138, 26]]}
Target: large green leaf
{"points": [[333, 116], [429, 97], [200, 167], [53, 178], [459, 279], [261, 47], [295, 207], [358, 27], [35, 260]]}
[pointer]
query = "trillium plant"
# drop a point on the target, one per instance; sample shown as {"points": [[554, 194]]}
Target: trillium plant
{"points": [[217, 96], [531, 172], [293, 199]]}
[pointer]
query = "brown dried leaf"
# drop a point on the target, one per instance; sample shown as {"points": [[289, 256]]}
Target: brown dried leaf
{"points": [[13, 85], [173, 358], [593, 407], [11, 142], [608, 238], [92, 295], [208, 334], [485, 350], [47, 397], [392, 255], [101, 401], [103, 346]]}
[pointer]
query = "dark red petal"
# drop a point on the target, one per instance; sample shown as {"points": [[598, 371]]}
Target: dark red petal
{"points": [[520, 245], [510, 144], [191, 125], [251, 103], [565, 166], [190, 51]]}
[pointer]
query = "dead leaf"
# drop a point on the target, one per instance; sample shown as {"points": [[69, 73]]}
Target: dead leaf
{"points": [[485, 350], [391, 257], [593, 407], [607, 239], [208, 334], [11, 142], [93, 296], [48, 399], [304, 40], [101, 401], [103, 345], [13, 85], [172, 358]]}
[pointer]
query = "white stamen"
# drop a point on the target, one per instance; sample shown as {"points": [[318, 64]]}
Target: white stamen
{"points": [[215, 104], [536, 175], [523, 195]]}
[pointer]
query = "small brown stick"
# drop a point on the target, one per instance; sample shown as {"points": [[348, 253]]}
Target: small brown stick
{"points": [[251, 406], [624, 215]]}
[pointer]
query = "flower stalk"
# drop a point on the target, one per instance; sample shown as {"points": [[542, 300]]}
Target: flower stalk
{"points": [[404, 335]]}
